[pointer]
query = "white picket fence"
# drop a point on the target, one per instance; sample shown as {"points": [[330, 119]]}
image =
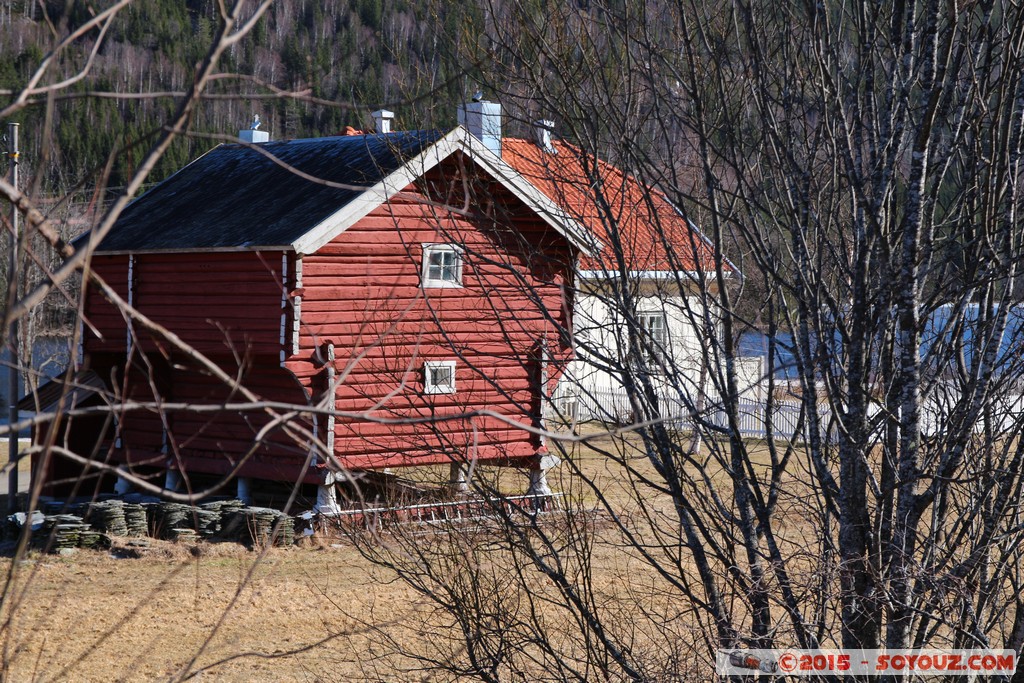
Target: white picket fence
{"points": [[1006, 415], [614, 406]]}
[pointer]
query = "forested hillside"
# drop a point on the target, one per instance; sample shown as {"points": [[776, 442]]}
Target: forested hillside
{"points": [[347, 58]]}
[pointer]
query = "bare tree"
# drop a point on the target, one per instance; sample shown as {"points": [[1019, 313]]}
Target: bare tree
{"points": [[56, 265], [49, 267], [859, 164]]}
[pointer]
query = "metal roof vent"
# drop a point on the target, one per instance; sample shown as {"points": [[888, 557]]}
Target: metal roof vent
{"points": [[382, 120], [253, 134], [483, 120], [542, 135]]}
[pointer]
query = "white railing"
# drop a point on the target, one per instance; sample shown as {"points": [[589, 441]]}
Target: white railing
{"points": [[1005, 413], [615, 406]]}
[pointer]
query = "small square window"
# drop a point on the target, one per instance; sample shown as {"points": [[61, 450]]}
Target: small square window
{"points": [[442, 265], [439, 377]]}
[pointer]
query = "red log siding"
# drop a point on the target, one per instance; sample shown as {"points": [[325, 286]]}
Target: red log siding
{"points": [[208, 441], [229, 307], [362, 293], [213, 301], [100, 313]]}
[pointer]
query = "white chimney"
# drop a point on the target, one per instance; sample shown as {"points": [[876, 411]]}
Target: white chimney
{"points": [[542, 135], [483, 120], [382, 120], [252, 134]]}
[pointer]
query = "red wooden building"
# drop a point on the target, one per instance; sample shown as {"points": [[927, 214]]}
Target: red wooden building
{"points": [[359, 302]]}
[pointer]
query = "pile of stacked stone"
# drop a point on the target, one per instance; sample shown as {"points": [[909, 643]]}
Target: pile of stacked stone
{"points": [[263, 523], [92, 524], [261, 527], [207, 519], [223, 519], [136, 520], [182, 535], [232, 524], [108, 517], [167, 516], [63, 532]]}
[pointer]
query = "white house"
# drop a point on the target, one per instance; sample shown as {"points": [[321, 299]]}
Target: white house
{"points": [[637, 304]]}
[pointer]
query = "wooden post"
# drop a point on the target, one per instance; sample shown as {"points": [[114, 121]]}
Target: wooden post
{"points": [[12, 283], [244, 490], [457, 478]]}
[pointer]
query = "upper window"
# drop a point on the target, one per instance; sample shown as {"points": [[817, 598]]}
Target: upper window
{"points": [[439, 377], [442, 265], [655, 342]]}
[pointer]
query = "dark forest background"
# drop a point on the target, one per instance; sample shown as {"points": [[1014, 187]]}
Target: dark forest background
{"points": [[345, 58]]}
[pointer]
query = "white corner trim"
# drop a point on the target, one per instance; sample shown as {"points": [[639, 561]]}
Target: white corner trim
{"points": [[284, 306], [333, 389], [297, 306], [131, 303], [458, 140]]}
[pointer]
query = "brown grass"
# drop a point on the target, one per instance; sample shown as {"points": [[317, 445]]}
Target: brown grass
{"points": [[24, 465], [298, 614]]}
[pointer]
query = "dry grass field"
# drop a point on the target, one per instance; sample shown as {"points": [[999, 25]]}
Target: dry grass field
{"points": [[24, 465], [217, 611]]}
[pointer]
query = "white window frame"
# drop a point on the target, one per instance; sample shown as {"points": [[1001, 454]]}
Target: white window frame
{"points": [[429, 387], [656, 340], [429, 249]]}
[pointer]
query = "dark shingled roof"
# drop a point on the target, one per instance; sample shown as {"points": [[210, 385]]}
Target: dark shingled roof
{"points": [[79, 388], [233, 197]]}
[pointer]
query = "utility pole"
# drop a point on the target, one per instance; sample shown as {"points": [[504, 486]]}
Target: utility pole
{"points": [[13, 372]]}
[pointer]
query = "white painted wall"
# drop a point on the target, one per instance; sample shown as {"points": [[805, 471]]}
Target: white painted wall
{"points": [[601, 347]]}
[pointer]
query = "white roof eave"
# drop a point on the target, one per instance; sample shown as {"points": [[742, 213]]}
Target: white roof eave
{"points": [[459, 139], [648, 274]]}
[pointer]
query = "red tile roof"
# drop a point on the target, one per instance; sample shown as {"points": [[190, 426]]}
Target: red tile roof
{"points": [[626, 216]]}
